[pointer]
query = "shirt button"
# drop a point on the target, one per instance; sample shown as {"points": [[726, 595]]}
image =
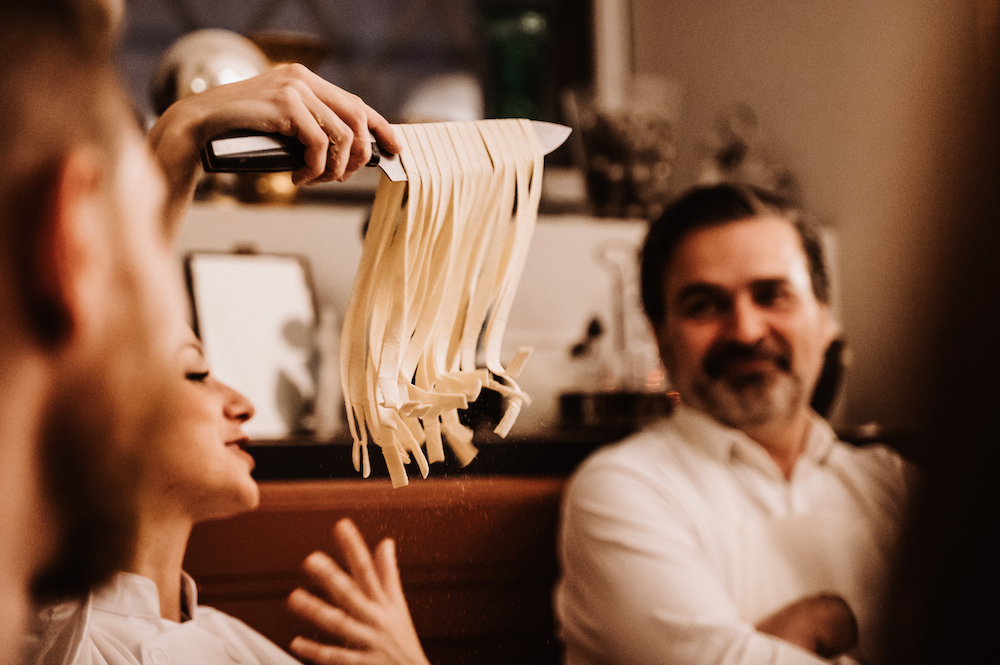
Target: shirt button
{"points": [[234, 653], [159, 657]]}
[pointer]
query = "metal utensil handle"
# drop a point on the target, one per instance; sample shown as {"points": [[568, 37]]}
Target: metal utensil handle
{"points": [[253, 152]]}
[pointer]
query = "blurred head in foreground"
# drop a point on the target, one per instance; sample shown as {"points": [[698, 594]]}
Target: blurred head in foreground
{"points": [[87, 288]]}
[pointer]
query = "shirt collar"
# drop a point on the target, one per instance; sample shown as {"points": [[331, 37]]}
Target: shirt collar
{"points": [[723, 442], [189, 596], [133, 595], [130, 595]]}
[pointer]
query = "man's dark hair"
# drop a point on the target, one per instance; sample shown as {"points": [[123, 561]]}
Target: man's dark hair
{"points": [[713, 206]]}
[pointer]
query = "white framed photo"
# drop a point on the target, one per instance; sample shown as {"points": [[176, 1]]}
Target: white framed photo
{"points": [[256, 317]]}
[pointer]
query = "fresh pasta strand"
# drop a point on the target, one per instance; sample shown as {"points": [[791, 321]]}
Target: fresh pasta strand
{"points": [[439, 268]]}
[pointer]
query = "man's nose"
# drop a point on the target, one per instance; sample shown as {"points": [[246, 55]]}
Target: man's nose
{"points": [[747, 322]]}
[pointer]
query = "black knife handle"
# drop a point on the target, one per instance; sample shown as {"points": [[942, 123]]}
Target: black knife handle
{"points": [[255, 152]]}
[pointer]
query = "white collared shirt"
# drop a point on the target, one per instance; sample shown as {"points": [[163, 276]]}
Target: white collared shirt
{"points": [[675, 542], [120, 624]]}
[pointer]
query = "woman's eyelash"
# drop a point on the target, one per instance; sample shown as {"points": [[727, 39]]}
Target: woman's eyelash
{"points": [[196, 376]]}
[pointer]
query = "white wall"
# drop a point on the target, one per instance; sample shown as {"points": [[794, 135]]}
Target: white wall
{"points": [[562, 287], [861, 99]]}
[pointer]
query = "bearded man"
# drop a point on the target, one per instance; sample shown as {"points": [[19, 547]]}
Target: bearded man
{"points": [[740, 529]]}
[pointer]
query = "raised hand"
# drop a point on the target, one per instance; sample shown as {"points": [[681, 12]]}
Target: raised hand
{"points": [[335, 126], [362, 610]]}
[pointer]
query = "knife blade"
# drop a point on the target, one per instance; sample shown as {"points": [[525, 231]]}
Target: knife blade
{"points": [[246, 151]]}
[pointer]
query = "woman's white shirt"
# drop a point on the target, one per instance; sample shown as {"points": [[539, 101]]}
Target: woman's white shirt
{"points": [[120, 624]]}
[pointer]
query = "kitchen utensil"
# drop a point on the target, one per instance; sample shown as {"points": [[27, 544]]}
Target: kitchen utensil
{"points": [[244, 151]]}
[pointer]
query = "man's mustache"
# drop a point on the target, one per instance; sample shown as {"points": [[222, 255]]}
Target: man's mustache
{"points": [[722, 357]]}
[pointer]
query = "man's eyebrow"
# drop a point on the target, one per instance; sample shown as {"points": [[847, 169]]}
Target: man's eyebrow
{"points": [[699, 289], [770, 282]]}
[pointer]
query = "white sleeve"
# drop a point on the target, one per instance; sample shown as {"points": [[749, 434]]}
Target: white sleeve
{"points": [[637, 587]]}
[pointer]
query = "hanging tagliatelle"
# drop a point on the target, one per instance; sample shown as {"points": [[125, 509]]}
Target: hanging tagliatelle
{"points": [[440, 265]]}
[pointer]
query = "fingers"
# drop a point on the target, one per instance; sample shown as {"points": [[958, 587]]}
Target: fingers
{"points": [[332, 124], [316, 133], [338, 586], [838, 627], [387, 569], [331, 620], [325, 654], [345, 119], [385, 132], [359, 561], [353, 113], [367, 613]]}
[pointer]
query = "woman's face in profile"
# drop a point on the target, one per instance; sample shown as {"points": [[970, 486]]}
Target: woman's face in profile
{"points": [[204, 469]]}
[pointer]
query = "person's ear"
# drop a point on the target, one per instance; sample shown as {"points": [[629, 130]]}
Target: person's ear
{"points": [[69, 247], [829, 327]]}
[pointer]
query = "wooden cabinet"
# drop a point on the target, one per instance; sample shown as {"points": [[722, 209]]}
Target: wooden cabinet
{"points": [[477, 557]]}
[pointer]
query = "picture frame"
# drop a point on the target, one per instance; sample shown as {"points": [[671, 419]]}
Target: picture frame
{"points": [[256, 316]]}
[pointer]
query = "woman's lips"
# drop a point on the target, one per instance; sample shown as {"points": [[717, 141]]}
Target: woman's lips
{"points": [[240, 446], [239, 443]]}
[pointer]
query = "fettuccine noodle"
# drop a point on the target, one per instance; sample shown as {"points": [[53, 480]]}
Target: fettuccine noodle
{"points": [[439, 269]]}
